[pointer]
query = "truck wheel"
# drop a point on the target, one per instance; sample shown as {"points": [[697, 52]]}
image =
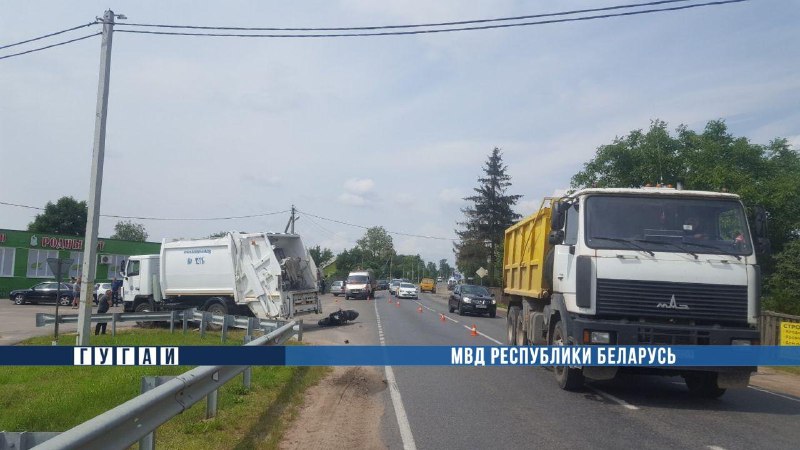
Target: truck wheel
{"points": [[703, 385], [19, 299], [216, 309], [569, 379], [144, 308], [522, 338], [511, 325]]}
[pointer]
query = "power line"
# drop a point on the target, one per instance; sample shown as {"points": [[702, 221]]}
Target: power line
{"points": [[51, 46], [48, 35], [114, 216], [419, 25], [438, 30], [399, 233]]}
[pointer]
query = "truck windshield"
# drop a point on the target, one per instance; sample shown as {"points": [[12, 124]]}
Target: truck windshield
{"points": [[694, 225], [357, 279]]}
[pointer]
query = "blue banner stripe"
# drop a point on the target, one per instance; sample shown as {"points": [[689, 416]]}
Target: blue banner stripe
{"points": [[676, 356]]}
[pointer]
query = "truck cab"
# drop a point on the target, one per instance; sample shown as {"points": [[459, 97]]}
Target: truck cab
{"points": [[139, 280], [648, 266]]}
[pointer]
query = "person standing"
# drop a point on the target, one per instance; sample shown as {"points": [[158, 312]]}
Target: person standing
{"points": [[76, 293], [103, 303]]}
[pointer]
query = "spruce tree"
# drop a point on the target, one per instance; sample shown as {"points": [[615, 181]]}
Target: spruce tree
{"points": [[486, 219]]}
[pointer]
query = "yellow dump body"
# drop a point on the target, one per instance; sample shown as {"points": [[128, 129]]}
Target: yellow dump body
{"points": [[525, 248]]}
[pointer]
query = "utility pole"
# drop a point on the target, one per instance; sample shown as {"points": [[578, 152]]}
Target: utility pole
{"points": [[96, 183], [292, 220]]}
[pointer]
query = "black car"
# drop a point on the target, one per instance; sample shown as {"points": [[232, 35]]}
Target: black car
{"points": [[383, 285], [43, 293], [470, 298]]}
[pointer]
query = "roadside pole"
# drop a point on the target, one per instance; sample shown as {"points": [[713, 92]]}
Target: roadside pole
{"points": [[95, 185], [57, 267]]}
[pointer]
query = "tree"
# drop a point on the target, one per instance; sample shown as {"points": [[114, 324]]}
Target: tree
{"points": [[66, 216], [444, 268], [320, 255], [377, 248], [129, 231], [784, 284], [216, 235], [491, 212]]}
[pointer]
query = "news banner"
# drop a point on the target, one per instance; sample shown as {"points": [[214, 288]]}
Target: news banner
{"points": [[654, 356]]}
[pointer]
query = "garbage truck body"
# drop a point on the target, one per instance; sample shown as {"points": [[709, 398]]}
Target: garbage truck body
{"points": [[268, 275], [646, 266]]}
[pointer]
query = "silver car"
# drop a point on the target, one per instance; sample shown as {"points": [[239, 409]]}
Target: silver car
{"points": [[337, 287]]}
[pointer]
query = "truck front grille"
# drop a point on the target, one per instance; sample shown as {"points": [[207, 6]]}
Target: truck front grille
{"points": [[707, 303]]}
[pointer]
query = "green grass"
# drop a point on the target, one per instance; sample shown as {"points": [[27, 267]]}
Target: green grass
{"points": [[58, 398], [794, 370]]}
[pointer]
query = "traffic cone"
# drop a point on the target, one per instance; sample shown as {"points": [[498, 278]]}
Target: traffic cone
{"points": [[419, 309], [390, 301], [441, 317], [398, 303], [474, 331]]}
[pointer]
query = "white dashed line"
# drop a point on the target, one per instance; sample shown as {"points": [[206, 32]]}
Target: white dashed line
{"points": [[487, 337], [613, 398], [397, 401], [714, 447]]}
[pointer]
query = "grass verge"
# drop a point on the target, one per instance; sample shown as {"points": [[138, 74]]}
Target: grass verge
{"points": [[44, 398], [794, 370]]}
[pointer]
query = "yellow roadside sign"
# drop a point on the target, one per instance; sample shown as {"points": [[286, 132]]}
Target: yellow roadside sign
{"points": [[790, 333]]}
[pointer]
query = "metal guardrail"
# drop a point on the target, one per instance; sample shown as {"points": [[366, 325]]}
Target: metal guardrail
{"points": [[185, 317], [138, 418]]}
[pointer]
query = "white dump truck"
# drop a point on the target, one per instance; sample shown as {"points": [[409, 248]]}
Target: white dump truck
{"points": [[268, 275]]}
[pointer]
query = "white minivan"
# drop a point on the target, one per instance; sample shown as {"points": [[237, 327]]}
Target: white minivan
{"points": [[361, 284]]}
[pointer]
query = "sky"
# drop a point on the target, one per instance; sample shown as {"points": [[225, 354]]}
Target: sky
{"points": [[390, 131]]}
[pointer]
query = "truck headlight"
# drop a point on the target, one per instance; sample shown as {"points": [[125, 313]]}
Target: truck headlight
{"points": [[600, 337], [741, 342], [467, 300]]}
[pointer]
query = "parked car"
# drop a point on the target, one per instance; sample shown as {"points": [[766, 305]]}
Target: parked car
{"points": [[406, 290], [383, 285], [100, 289], [337, 288], [393, 286], [46, 292], [427, 284], [470, 298]]}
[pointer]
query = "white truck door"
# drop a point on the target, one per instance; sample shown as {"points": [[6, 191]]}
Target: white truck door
{"points": [[131, 284], [564, 257]]}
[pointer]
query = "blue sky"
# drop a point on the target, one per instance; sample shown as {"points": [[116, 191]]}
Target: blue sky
{"points": [[385, 131]]}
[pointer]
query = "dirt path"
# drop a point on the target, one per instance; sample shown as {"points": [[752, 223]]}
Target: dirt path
{"points": [[343, 411]]}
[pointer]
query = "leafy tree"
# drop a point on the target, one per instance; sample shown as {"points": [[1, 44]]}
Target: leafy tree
{"points": [[430, 270], [784, 284], [376, 244], [129, 231], [320, 255], [66, 216], [444, 268], [491, 212], [216, 235]]}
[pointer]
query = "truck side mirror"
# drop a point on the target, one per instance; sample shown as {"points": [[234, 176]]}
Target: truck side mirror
{"points": [[557, 217], [556, 237]]}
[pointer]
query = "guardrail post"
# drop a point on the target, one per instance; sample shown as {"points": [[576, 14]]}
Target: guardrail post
{"points": [[224, 333], [211, 402], [203, 321], [148, 442], [250, 328], [185, 315], [172, 320], [300, 330], [247, 375]]}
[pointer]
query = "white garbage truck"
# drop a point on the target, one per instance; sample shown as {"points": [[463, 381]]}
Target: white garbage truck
{"points": [[268, 275]]}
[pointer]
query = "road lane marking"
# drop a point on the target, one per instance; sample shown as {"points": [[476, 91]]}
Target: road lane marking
{"points": [[774, 393], [714, 447], [397, 401], [437, 312], [613, 398], [487, 337]]}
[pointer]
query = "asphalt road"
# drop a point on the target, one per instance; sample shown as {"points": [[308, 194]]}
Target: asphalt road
{"points": [[520, 407]]}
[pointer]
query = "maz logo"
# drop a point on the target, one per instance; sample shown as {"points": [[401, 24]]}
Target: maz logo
{"points": [[672, 304]]}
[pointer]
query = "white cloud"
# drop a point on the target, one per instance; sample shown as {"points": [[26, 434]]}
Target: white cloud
{"points": [[359, 185]]}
